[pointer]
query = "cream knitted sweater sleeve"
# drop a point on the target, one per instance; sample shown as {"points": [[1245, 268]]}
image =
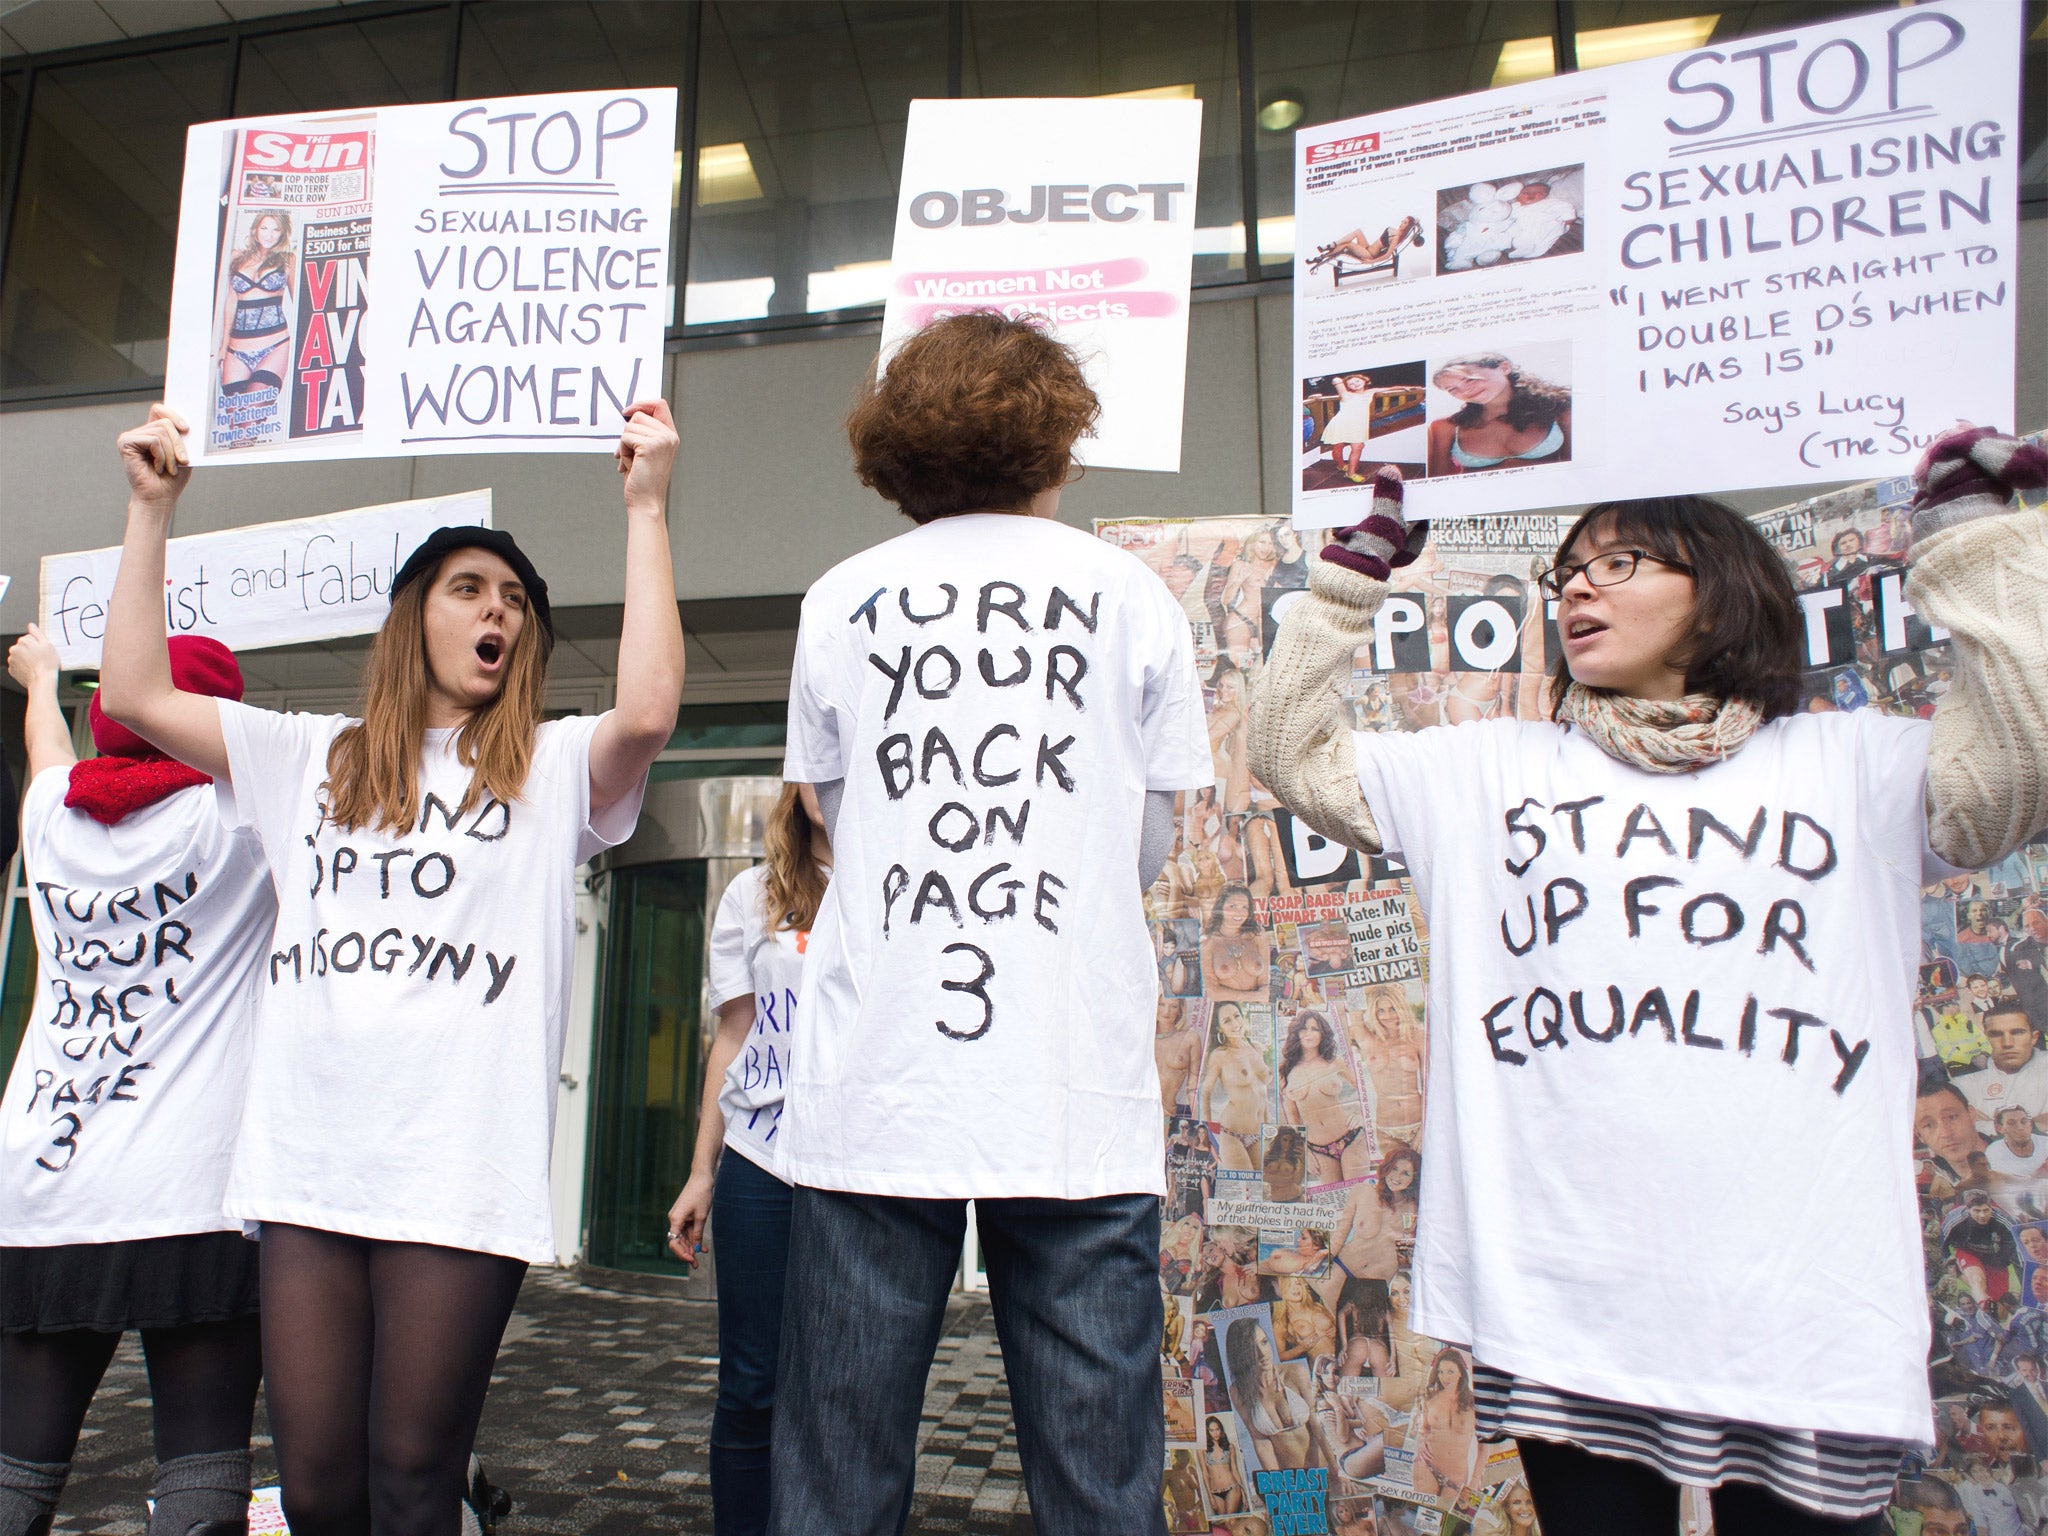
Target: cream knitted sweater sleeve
{"points": [[1300, 736], [1986, 582]]}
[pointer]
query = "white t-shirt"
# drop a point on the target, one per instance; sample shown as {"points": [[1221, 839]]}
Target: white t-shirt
{"points": [[1711, 1210], [1990, 1089], [410, 1033], [2015, 1165], [748, 956], [120, 1115], [999, 693]]}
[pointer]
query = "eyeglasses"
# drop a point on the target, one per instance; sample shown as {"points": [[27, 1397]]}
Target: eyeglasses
{"points": [[1608, 570]]}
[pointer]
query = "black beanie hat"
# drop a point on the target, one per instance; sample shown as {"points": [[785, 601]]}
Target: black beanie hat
{"points": [[445, 541]]}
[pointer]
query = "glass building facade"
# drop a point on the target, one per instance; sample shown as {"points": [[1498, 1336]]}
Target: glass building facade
{"points": [[790, 141]]}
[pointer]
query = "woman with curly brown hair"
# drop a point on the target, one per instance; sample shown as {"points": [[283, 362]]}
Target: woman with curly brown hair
{"points": [[996, 709]]}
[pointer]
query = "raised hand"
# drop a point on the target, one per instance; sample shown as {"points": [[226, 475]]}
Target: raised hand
{"points": [[32, 662], [647, 452], [155, 459]]}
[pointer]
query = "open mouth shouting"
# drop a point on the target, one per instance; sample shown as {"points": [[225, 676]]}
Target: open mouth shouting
{"points": [[490, 652]]}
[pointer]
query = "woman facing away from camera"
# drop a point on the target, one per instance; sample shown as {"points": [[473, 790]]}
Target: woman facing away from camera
{"points": [[118, 1125], [395, 1143], [1674, 932], [997, 710], [758, 943]]}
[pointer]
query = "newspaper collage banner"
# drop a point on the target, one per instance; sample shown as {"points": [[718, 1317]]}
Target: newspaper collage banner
{"points": [[1788, 264], [460, 277], [1293, 1051]]}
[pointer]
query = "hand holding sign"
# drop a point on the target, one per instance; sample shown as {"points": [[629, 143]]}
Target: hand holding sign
{"points": [[32, 660], [647, 452], [155, 458]]}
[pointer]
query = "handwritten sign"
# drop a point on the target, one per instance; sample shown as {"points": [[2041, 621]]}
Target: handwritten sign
{"points": [[314, 578], [1076, 213], [1700, 272], [464, 277]]}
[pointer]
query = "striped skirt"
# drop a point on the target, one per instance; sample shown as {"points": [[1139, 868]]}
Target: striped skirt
{"points": [[1830, 1474]]}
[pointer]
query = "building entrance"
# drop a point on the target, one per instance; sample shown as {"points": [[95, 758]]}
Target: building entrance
{"points": [[653, 1029]]}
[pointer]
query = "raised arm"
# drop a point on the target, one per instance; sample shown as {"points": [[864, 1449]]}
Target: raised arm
{"points": [[1980, 569], [33, 664], [135, 666], [643, 712], [1300, 738]]}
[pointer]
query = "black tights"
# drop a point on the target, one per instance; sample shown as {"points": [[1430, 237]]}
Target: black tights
{"points": [[1578, 1492], [202, 1387], [380, 1355]]}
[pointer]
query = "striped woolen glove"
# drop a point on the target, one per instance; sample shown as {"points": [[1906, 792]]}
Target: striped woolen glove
{"points": [[1971, 473], [1386, 540]]}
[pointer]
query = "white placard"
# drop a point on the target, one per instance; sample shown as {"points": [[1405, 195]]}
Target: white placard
{"points": [[464, 277], [1079, 212], [314, 578], [1783, 260]]}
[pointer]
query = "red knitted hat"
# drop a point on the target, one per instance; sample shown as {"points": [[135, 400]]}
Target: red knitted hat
{"points": [[199, 664]]}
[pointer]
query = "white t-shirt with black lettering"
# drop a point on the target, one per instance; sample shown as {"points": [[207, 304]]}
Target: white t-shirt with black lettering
{"points": [[998, 693], [120, 1116], [1671, 1078], [414, 997], [750, 956]]}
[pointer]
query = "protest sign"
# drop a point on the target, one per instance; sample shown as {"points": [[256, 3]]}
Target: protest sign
{"points": [[1781, 265], [464, 277], [1080, 213], [314, 578]]}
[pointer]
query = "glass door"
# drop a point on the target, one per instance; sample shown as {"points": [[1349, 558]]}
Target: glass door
{"points": [[649, 1063]]}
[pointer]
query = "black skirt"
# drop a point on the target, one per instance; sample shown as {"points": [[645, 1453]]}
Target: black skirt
{"points": [[155, 1282]]}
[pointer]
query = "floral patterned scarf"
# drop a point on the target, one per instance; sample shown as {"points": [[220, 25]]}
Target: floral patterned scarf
{"points": [[1662, 735]]}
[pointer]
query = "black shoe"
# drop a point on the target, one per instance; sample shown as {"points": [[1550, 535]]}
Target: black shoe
{"points": [[485, 1501]]}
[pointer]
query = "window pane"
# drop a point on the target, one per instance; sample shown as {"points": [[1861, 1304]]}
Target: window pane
{"points": [[519, 47], [367, 64], [800, 116], [1184, 48], [89, 254], [1320, 62], [2034, 97]]}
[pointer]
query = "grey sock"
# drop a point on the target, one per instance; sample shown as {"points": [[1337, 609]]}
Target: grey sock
{"points": [[28, 1494], [208, 1489]]}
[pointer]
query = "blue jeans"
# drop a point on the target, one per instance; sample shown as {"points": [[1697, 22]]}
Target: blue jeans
{"points": [[750, 1225], [1075, 1290]]}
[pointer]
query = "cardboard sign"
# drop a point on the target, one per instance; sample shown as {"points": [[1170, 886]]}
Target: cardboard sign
{"points": [[314, 578], [1080, 213], [1787, 264], [462, 277]]}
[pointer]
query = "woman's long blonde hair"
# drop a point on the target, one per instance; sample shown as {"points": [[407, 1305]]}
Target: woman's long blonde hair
{"points": [[796, 881], [279, 256], [373, 766]]}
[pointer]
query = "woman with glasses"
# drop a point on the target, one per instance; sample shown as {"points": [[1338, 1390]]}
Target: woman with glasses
{"points": [[1673, 930]]}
